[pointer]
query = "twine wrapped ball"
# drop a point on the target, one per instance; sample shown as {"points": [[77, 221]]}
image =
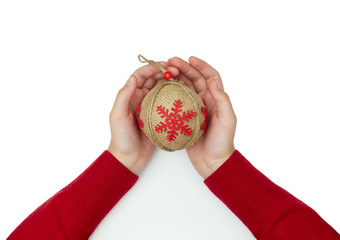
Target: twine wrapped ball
{"points": [[172, 116]]}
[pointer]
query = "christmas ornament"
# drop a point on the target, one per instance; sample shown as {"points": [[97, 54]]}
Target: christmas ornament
{"points": [[172, 116]]}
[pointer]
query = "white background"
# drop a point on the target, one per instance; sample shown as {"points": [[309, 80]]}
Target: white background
{"points": [[62, 63]]}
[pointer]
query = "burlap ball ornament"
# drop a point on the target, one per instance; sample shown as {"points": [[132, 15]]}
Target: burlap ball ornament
{"points": [[172, 116]]}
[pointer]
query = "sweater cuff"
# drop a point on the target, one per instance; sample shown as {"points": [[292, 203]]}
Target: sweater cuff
{"points": [[77, 209], [269, 211], [104, 182], [249, 194]]}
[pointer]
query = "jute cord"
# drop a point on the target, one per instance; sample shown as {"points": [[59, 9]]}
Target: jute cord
{"points": [[143, 59]]}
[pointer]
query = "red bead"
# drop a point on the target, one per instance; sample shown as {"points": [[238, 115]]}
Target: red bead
{"points": [[167, 75]]}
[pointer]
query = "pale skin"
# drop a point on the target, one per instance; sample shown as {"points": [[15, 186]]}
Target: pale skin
{"points": [[216, 145]]}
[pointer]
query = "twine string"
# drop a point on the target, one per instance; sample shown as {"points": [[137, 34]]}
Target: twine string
{"points": [[193, 100], [143, 59], [149, 113]]}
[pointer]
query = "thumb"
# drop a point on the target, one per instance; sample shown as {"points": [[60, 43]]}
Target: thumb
{"points": [[122, 102], [221, 98]]}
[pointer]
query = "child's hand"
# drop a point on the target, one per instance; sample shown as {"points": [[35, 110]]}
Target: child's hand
{"points": [[128, 144], [216, 145]]}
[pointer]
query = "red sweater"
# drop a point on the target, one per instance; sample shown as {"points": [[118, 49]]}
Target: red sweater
{"points": [[267, 210]]}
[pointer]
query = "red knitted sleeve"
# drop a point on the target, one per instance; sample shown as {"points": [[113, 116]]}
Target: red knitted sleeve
{"points": [[266, 209], [76, 210]]}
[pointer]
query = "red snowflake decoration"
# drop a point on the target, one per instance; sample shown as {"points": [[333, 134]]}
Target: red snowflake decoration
{"points": [[205, 114], [140, 123], [174, 121]]}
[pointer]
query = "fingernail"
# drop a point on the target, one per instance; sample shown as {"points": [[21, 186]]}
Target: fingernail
{"points": [[129, 81], [216, 84]]}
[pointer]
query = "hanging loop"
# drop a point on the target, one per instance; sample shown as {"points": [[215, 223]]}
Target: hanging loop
{"points": [[143, 59]]}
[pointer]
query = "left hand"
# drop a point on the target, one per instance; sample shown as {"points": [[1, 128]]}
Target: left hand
{"points": [[128, 144], [217, 143]]}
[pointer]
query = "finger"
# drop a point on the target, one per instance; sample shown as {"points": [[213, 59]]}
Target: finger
{"points": [[151, 81], [223, 104], [186, 81], [206, 70], [158, 77], [145, 72], [137, 98], [140, 94], [209, 102], [190, 72], [122, 102]]}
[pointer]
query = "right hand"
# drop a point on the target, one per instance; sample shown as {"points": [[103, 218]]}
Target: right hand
{"points": [[128, 144], [217, 143]]}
